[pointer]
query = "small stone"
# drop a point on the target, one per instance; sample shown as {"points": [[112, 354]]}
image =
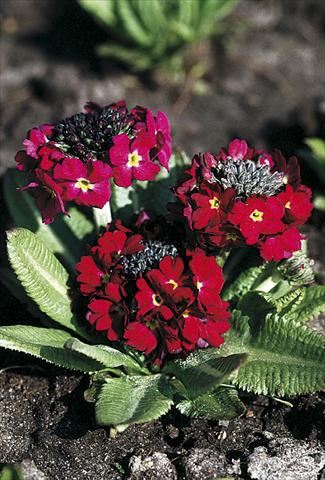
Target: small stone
{"points": [[206, 464], [151, 467], [287, 459], [30, 471]]}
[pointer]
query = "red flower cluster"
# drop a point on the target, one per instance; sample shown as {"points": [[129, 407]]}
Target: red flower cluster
{"points": [[244, 196], [75, 159], [172, 306]]}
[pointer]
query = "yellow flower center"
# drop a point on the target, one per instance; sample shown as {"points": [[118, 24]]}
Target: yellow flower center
{"points": [[215, 203], [156, 300], [185, 314], [288, 205], [199, 285], [84, 184], [173, 283], [256, 216], [285, 179], [133, 159]]}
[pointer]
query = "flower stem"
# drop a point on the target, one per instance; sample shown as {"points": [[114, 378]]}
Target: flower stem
{"points": [[102, 216]]}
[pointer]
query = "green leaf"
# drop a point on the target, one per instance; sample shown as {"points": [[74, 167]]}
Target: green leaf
{"points": [[317, 145], [47, 344], [42, 276], [203, 371], [285, 358], [107, 356], [316, 160], [133, 399], [289, 301], [11, 472], [65, 237], [132, 24], [102, 10], [248, 280], [222, 404], [311, 304]]}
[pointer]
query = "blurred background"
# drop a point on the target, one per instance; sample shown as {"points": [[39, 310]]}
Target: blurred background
{"points": [[218, 68]]}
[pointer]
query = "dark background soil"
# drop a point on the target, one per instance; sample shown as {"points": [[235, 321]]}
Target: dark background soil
{"points": [[265, 85]]}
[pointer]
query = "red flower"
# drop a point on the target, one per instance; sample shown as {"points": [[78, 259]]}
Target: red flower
{"points": [[159, 128], [212, 206], [202, 332], [131, 159], [49, 156], [112, 245], [264, 158], [109, 313], [238, 149], [297, 204], [90, 275], [281, 246], [86, 184], [170, 276], [48, 195], [290, 168], [36, 137], [140, 337], [25, 162], [257, 216], [151, 301], [207, 279]]}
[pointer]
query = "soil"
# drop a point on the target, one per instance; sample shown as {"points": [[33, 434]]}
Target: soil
{"points": [[265, 85]]}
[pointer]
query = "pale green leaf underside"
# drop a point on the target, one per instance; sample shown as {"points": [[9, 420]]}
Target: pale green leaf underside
{"points": [[107, 356], [42, 276], [222, 404], [47, 344], [133, 399], [285, 358], [203, 371]]}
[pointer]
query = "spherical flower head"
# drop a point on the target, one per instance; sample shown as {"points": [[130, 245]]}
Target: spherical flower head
{"points": [[82, 152], [241, 196], [170, 307]]}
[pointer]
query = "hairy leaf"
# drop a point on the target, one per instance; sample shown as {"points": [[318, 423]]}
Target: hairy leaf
{"points": [[222, 404], [47, 344], [311, 304], [285, 358], [133, 399], [248, 280], [203, 371], [107, 356], [42, 276]]}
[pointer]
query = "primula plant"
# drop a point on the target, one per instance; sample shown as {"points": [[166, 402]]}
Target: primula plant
{"points": [[166, 289], [133, 30]]}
